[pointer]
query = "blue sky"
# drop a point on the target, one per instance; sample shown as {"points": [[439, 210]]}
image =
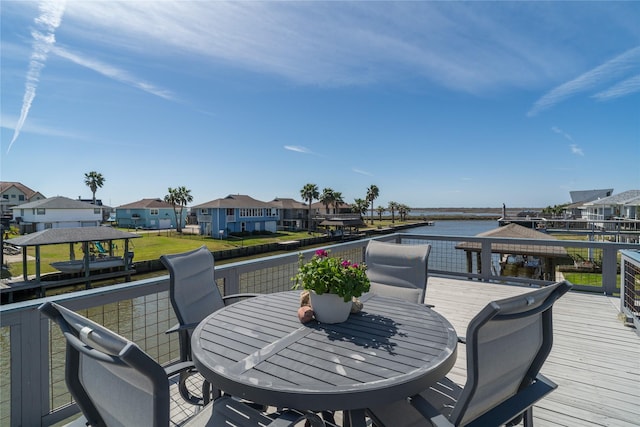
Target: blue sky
{"points": [[439, 104]]}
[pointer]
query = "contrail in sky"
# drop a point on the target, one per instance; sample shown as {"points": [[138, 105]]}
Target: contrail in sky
{"points": [[43, 40]]}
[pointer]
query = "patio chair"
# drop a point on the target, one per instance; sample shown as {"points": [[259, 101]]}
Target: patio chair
{"points": [[115, 383], [194, 295], [507, 344], [398, 270]]}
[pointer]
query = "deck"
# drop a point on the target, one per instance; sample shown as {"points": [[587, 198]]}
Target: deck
{"points": [[595, 359]]}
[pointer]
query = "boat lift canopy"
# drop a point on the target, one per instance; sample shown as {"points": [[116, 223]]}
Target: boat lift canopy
{"points": [[71, 235]]}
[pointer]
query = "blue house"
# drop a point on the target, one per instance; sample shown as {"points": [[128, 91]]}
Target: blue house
{"points": [[235, 214], [152, 214]]}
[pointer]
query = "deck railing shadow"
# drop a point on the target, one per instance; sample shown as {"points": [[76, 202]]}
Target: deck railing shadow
{"points": [[32, 388]]}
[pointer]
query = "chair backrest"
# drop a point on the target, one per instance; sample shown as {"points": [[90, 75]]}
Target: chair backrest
{"points": [[398, 270], [507, 343], [193, 290], [113, 381]]}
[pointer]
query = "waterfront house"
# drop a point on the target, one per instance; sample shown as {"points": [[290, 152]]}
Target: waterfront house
{"points": [[235, 213], [56, 212], [15, 194], [621, 205], [151, 214], [294, 215]]}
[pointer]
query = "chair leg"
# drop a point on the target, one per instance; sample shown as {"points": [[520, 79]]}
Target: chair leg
{"points": [[528, 417]]}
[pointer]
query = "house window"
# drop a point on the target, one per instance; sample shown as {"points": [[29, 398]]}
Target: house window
{"points": [[21, 197], [153, 211], [229, 211], [204, 211], [243, 226], [47, 225], [251, 212], [96, 211], [5, 196], [13, 196], [41, 211]]}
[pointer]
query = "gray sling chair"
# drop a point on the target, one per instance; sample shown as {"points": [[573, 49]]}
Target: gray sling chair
{"points": [[398, 270], [115, 383], [507, 343], [194, 295]]}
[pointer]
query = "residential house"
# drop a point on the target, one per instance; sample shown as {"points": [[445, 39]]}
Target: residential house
{"points": [[150, 214], [15, 194], [56, 212], [580, 197], [235, 213], [319, 209], [294, 215], [616, 206]]}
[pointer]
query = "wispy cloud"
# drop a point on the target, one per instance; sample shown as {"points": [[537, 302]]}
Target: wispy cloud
{"points": [[362, 172], [298, 149], [576, 150], [613, 69], [624, 88], [43, 40], [561, 132], [113, 73]]}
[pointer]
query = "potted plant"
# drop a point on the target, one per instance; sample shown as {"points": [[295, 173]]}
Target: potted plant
{"points": [[332, 284]]}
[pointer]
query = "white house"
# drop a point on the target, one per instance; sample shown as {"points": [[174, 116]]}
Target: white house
{"points": [[56, 212], [621, 205]]}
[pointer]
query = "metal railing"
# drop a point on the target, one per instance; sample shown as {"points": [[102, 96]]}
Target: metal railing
{"points": [[32, 389]]}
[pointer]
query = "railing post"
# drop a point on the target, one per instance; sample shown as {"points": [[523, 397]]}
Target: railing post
{"points": [[29, 369], [485, 260], [609, 270]]}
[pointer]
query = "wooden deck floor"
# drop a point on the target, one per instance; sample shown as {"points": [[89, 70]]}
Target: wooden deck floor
{"points": [[595, 358]]}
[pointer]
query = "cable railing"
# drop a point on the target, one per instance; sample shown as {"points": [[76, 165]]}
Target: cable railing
{"points": [[32, 388]]}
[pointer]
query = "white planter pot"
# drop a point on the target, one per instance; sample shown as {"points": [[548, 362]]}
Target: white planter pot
{"points": [[329, 308]]}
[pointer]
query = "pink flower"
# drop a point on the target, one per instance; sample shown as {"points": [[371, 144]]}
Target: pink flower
{"points": [[321, 253], [346, 263]]}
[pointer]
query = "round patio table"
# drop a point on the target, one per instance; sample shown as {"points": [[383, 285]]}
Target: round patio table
{"points": [[257, 349]]}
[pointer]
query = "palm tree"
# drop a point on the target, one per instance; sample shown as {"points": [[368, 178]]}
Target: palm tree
{"points": [[380, 210], [360, 206], [372, 193], [308, 193], [392, 207], [403, 210], [94, 180], [178, 197], [327, 198], [337, 200]]}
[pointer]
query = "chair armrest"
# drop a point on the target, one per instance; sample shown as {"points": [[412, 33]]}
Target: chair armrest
{"points": [[462, 340], [517, 404], [177, 328], [429, 411], [176, 368], [229, 299]]}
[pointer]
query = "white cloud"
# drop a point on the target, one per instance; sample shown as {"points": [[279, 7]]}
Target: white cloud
{"points": [[362, 172], [624, 88], [561, 132], [298, 149], [113, 73], [576, 150], [602, 74]]}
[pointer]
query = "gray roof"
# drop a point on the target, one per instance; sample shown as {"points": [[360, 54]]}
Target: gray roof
{"points": [[234, 201], [617, 199], [583, 196], [57, 202], [286, 203], [147, 204], [517, 231], [53, 236]]}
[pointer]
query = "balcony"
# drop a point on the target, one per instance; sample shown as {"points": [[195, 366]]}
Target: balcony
{"points": [[594, 359]]}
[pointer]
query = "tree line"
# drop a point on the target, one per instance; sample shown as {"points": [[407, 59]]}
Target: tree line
{"points": [[179, 197]]}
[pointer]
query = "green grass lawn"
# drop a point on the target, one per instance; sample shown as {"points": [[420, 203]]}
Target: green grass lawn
{"points": [[150, 246]]}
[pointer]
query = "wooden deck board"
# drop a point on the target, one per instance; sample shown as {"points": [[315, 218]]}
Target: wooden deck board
{"points": [[595, 358]]}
